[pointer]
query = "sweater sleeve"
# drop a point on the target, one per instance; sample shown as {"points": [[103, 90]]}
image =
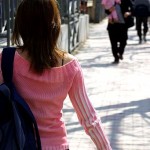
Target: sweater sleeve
{"points": [[86, 113]]}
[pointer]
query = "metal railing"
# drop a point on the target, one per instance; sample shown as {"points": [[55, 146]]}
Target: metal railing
{"points": [[70, 12], [7, 13], [73, 24]]}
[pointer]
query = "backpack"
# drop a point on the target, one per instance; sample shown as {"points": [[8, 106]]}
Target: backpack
{"points": [[141, 8], [18, 127]]}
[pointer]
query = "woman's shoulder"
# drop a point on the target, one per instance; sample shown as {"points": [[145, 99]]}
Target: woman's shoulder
{"points": [[68, 58], [68, 61]]}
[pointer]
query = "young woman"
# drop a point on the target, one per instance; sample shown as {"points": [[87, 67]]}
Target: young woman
{"points": [[44, 75]]}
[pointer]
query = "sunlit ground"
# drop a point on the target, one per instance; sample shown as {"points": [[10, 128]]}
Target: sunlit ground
{"points": [[119, 93]]}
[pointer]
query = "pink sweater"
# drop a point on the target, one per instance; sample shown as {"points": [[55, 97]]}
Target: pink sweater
{"points": [[46, 94]]}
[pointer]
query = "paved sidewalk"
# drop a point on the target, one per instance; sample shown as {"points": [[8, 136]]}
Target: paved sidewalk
{"points": [[120, 93]]}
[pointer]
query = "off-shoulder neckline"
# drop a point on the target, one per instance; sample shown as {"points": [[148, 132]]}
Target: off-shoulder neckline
{"points": [[59, 67]]}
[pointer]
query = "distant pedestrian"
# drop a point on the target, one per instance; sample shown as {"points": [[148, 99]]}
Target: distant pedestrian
{"points": [[83, 6], [44, 75], [141, 13], [118, 32]]}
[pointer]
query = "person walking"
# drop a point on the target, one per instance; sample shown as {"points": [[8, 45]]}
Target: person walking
{"points": [[141, 13], [44, 75], [118, 32], [83, 6]]}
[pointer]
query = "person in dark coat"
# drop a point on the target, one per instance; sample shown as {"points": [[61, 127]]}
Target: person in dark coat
{"points": [[118, 32], [141, 13]]}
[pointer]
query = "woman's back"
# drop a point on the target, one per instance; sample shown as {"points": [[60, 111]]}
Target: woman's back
{"points": [[44, 75], [45, 95]]}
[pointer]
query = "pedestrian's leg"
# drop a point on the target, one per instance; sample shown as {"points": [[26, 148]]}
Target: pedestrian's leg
{"points": [[138, 27], [145, 27], [123, 41], [113, 41], [122, 48]]}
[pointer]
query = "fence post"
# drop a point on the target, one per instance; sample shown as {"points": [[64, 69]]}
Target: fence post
{"points": [[8, 21], [97, 11]]}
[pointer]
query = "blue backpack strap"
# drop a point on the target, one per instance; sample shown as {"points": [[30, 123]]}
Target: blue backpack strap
{"points": [[7, 72], [7, 64]]}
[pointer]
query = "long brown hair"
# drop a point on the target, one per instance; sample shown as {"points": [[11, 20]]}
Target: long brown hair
{"points": [[36, 29]]}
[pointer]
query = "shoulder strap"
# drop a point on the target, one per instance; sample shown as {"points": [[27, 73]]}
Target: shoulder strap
{"points": [[7, 71], [7, 64], [62, 63]]}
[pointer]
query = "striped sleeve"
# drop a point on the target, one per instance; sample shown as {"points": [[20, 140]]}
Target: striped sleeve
{"points": [[86, 112]]}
